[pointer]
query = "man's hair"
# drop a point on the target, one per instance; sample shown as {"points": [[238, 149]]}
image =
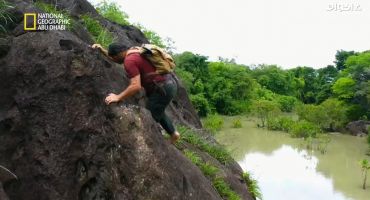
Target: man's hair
{"points": [[116, 48]]}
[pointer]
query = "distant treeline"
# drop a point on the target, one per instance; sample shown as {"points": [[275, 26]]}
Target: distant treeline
{"points": [[228, 88]]}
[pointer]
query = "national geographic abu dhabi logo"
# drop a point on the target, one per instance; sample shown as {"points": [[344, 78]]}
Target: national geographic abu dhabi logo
{"points": [[45, 22]]}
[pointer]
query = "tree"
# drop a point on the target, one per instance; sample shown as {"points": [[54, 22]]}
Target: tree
{"points": [[341, 57], [193, 63], [264, 109], [344, 88]]}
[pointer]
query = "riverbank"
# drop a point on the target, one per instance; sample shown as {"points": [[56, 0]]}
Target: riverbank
{"points": [[286, 170]]}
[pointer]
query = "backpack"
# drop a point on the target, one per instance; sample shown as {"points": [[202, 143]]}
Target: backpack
{"points": [[158, 57]]}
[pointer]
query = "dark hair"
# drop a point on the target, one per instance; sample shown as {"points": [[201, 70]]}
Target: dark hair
{"points": [[116, 48]]}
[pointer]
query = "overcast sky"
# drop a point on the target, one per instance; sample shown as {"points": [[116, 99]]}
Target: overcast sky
{"points": [[288, 33]]}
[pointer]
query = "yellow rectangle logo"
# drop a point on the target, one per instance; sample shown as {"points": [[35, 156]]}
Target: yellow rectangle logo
{"points": [[27, 16]]}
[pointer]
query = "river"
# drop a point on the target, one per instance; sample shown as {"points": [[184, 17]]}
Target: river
{"points": [[286, 171]]}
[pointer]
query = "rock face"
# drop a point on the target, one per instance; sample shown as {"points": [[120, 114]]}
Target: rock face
{"points": [[62, 141], [359, 127]]}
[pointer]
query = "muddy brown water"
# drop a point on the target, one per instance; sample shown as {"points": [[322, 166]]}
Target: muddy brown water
{"points": [[285, 170]]}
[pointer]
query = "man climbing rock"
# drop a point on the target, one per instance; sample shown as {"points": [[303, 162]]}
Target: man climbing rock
{"points": [[160, 88]]}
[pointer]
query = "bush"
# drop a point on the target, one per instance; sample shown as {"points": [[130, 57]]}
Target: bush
{"points": [[112, 12], [287, 103], [213, 123], [201, 104], [264, 109], [305, 129], [281, 123], [237, 123], [99, 33]]}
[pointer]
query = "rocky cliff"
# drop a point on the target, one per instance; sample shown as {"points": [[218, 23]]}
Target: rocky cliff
{"points": [[61, 140]]}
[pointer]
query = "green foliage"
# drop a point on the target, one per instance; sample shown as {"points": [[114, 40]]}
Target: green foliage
{"points": [[201, 104], [287, 103], [152, 36], [280, 123], [252, 185], [112, 12], [224, 189], [211, 171], [274, 78], [213, 123], [264, 109], [341, 57], [49, 8], [186, 77], [330, 115], [304, 129], [237, 123], [344, 88], [5, 17], [195, 64], [214, 150], [100, 34]]}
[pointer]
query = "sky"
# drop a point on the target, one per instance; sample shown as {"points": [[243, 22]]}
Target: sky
{"points": [[288, 33]]}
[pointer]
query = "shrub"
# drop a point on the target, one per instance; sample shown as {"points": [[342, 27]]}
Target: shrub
{"points": [[281, 123], [264, 109], [286, 103], [112, 12], [252, 185], [237, 123], [304, 129], [201, 104], [99, 33], [213, 123]]}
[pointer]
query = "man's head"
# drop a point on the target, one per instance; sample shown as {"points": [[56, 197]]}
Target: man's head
{"points": [[117, 52]]}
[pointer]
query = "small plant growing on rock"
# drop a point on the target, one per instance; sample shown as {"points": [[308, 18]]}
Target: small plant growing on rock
{"points": [[252, 185], [237, 123], [365, 166]]}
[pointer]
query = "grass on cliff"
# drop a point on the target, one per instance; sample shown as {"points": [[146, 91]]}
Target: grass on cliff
{"points": [[5, 17], [216, 151], [112, 12], [252, 185], [50, 8], [100, 34], [211, 171]]}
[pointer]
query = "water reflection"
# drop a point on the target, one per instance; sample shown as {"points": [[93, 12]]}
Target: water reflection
{"points": [[288, 174]]}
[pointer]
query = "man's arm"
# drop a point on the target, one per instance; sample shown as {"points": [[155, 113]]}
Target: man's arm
{"points": [[134, 87], [104, 51]]}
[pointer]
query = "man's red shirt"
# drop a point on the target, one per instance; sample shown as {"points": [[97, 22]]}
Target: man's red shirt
{"points": [[135, 64]]}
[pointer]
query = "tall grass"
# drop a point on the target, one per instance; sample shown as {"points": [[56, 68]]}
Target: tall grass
{"points": [[5, 17], [216, 151], [213, 123], [252, 185], [100, 34], [211, 171]]}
